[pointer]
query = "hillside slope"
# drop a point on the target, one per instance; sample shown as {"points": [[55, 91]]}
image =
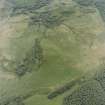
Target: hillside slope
{"points": [[45, 44]]}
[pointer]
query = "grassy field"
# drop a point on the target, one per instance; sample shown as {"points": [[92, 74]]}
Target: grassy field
{"points": [[71, 48]]}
